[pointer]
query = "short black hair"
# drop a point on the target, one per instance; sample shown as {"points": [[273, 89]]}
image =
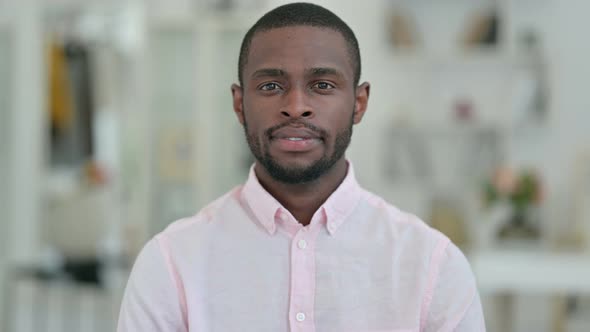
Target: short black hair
{"points": [[302, 14]]}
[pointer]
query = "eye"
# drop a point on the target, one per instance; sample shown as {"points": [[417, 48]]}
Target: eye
{"points": [[323, 86], [269, 86]]}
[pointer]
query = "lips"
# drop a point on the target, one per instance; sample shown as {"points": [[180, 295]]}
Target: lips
{"points": [[294, 134], [290, 139]]}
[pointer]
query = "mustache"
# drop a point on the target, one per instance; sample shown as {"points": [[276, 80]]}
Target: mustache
{"points": [[296, 123]]}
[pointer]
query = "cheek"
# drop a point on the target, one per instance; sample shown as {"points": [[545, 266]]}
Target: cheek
{"points": [[253, 126], [340, 117], [258, 117]]}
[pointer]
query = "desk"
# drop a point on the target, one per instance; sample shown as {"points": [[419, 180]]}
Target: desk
{"points": [[514, 271]]}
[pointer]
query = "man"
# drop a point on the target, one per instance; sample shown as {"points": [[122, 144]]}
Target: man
{"points": [[300, 246]]}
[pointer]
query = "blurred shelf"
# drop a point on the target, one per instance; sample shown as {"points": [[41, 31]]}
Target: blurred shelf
{"points": [[208, 20], [230, 20], [507, 128], [531, 270], [449, 129], [473, 59]]}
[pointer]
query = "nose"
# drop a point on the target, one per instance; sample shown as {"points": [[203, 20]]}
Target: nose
{"points": [[297, 104]]}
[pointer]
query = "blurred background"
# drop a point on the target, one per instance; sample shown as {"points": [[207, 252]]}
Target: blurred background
{"points": [[116, 119]]}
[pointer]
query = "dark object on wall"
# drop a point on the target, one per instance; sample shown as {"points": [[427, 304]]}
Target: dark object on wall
{"points": [[71, 104], [60, 91], [84, 271], [483, 30], [401, 29], [531, 47], [81, 77]]}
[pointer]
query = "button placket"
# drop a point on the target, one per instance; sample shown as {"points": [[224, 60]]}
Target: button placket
{"points": [[302, 244], [300, 317], [302, 280]]}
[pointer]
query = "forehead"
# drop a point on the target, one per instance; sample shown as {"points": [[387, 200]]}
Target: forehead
{"points": [[298, 48]]}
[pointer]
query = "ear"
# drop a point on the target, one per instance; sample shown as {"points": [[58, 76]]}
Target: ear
{"points": [[238, 98], [361, 101]]}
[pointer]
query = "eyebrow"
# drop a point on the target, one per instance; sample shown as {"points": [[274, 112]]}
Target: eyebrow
{"points": [[324, 71], [313, 72], [269, 72]]}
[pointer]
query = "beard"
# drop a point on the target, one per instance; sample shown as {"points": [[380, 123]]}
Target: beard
{"points": [[291, 174]]}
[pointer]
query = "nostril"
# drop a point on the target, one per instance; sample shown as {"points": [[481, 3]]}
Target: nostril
{"points": [[306, 114], [285, 114]]}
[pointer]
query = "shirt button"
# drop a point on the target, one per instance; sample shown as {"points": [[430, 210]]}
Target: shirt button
{"points": [[302, 244], [300, 317]]}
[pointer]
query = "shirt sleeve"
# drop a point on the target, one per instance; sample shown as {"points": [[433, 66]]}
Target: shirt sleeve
{"points": [[151, 301], [455, 304]]}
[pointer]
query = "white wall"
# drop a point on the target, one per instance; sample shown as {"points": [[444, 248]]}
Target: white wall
{"points": [[5, 86], [4, 149], [554, 149], [21, 103], [26, 152]]}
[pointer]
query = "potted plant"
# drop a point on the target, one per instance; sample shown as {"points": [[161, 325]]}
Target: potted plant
{"points": [[522, 191]]}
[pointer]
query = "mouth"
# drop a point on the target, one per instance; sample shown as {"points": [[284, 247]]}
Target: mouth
{"points": [[294, 134], [290, 139], [296, 144]]}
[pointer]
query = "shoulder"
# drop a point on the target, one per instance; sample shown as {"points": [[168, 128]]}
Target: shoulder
{"points": [[404, 223], [449, 286]]}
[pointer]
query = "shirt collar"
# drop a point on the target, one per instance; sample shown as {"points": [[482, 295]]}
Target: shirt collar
{"points": [[337, 207]]}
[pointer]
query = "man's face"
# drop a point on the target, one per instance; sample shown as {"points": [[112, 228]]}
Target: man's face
{"points": [[299, 102]]}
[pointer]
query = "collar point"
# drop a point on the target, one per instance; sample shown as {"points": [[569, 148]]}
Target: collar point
{"points": [[331, 228]]}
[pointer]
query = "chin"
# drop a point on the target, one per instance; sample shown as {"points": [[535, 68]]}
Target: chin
{"points": [[296, 162]]}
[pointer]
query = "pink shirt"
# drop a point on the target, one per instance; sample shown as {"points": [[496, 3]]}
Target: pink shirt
{"points": [[244, 263]]}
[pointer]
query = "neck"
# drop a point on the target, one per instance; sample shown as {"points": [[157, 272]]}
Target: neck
{"points": [[303, 199]]}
